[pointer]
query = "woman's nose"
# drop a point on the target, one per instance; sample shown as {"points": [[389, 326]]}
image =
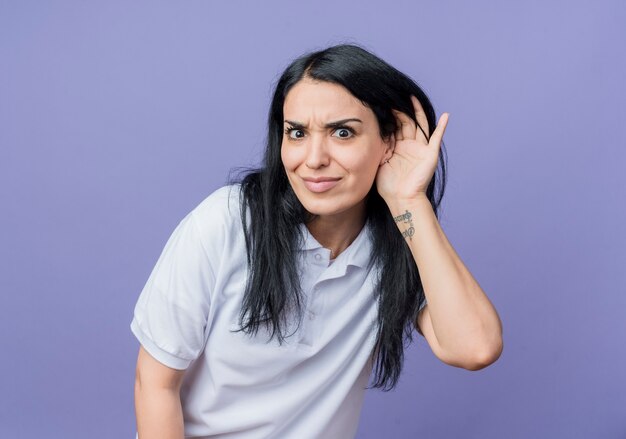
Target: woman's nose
{"points": [[317, 152]]}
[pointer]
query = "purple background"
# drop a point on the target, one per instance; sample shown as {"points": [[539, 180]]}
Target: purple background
{"points": [[118, 117]]}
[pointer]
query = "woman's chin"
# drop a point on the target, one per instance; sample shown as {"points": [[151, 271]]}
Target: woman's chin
{"points": [[329, 209]]}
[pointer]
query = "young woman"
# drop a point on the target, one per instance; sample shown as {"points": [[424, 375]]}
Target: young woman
{"points": [[276, 297]]}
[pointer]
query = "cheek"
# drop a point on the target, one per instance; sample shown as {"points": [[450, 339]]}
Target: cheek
{"points": [[364, 166], [287, 158]]}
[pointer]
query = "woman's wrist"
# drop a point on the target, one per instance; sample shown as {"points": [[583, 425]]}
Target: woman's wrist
{"points": [[407, 212], [400, 206]]}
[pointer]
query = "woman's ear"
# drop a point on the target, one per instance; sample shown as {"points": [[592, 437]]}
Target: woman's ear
{"points": [[390, 146]]}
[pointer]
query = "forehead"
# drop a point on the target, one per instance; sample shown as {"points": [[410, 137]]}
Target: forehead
{"points": [[323, 100]]}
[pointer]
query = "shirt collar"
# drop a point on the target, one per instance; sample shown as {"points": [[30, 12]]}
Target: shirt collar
{"points": [[357, 253]]}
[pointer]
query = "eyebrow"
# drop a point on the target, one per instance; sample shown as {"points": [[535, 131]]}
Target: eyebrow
{"points": [[300, 125]]}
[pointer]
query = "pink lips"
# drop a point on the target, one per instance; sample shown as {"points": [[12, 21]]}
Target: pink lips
{"points": [[321, 184]]}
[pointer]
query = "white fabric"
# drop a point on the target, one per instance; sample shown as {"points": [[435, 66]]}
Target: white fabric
{"points": [[237, 386]]}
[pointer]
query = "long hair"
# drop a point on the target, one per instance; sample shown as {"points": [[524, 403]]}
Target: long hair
{"points": [[273, 293]]}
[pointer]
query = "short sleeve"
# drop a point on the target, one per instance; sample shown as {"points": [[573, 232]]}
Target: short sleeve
{"points": [[170, 317]]}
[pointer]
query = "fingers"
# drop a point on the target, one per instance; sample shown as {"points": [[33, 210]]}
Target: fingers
{"points": [[437, 136], [408, 130], [406, 127], [420, 115]]}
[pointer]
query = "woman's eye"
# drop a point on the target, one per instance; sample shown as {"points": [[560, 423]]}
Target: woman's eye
{"points": [[343, 133], [294, 133]]}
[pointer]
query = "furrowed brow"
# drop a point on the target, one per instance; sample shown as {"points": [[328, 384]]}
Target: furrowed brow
{"points": [[297, 125], [342, 122], [300, 125]]}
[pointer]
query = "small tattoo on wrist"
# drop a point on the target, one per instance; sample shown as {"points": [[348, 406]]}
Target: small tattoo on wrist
{"points": [[406, 218]]}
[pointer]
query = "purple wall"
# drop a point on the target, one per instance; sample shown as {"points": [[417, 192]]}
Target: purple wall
{"points": [[118, 117]]}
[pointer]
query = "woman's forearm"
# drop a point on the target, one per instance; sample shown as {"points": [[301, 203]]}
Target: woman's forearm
{"points": [[463, 319], [159, 413]]}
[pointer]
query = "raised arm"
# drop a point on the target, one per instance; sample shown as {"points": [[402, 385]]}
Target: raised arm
{"points": [[459, 322]]}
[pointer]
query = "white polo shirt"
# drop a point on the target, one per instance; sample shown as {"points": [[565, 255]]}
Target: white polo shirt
{"points": [[240, 386]]}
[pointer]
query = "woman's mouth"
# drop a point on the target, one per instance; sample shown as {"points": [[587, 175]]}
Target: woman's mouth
{"points": [[320, 184]]}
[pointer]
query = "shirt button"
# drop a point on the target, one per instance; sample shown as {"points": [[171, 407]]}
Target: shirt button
{"points": [[318, 256], [311, 316]]}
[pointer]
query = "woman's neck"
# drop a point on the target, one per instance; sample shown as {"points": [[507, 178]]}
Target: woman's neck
{"points": [[336, 232]]}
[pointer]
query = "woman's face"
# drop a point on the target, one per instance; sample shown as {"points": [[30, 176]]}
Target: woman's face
{"points": [[331, 148]]}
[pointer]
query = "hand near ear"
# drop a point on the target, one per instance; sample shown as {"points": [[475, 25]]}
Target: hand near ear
{"points": [[407, 173]]}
